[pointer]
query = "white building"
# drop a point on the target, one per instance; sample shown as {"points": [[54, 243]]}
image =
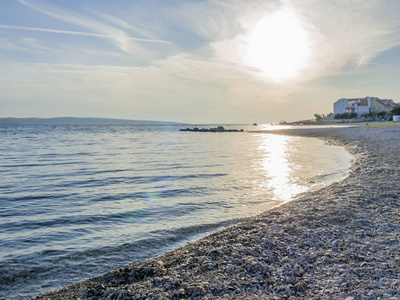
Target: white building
{"points": [[362, 106]]}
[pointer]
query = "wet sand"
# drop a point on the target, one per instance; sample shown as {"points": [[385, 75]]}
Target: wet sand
{"points": [[340, 242]]}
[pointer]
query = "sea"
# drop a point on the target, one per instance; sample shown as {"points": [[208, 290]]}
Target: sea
{"points": [[77, 201]]}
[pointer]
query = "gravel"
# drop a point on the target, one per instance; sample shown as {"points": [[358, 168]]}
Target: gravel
{"points": [[340, 242]]}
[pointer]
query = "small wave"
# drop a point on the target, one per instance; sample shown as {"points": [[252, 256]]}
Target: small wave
{"points": [[197, 176], [148, 214], [50, 163], [72, 266], [38, 197]]}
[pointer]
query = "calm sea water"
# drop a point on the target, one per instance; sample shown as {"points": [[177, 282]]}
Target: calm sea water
{"points": [[78, 201]]}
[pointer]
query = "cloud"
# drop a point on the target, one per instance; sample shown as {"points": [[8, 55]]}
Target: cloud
{"points": [[100, 29], [342, 34], [80, 33], [350, 33], [125, 25]]}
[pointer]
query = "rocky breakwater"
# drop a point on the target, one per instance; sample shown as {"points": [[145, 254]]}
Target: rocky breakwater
{"points": [[341, 242], [217, 129]]}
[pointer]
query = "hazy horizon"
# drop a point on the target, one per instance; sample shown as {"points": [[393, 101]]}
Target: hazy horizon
{"points": [[85, 120], [214, 61]]}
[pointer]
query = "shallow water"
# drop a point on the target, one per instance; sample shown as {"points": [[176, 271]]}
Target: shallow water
{"points": [[77, 201]]}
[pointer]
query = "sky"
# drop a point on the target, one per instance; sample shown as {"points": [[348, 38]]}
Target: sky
{"points": [[195, 61]]}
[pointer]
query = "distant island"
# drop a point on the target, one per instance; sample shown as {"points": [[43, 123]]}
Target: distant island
{"points": [[79, 121]]}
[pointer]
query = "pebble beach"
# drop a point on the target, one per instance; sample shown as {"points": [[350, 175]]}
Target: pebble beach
{"points": [[340, 242]]}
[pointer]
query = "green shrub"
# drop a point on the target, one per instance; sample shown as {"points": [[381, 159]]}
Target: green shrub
{"points": [[396, 111]]}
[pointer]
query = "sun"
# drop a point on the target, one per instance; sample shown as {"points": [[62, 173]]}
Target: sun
{"points": [[279, 46]]}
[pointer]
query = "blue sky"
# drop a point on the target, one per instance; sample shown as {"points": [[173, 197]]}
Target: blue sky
{"points": [[199, 61]]}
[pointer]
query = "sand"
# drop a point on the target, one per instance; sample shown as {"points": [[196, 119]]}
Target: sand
{"points": [[340, 242]]}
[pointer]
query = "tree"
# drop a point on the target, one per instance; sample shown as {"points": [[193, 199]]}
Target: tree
{"points": [[369, 115], [318, 117], [382, 114], [396, 111], [346, 115], [353, 115]]}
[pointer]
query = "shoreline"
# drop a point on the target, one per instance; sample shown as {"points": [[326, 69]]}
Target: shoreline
{"points": [[338, 242]]}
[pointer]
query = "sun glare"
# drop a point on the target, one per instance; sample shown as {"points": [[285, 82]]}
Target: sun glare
{"points": [[279, 46]]}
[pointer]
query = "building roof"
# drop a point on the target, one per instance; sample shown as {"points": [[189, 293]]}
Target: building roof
{"points": [[359, 101], [386, 102]]}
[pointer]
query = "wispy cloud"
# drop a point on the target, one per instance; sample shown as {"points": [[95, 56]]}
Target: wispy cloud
{"points": [[140, 30], [350, 33], [342, 34], [100, 29], [99, 35]]}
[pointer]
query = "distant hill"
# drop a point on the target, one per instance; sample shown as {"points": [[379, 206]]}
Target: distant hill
{"points": [[78, 121]]}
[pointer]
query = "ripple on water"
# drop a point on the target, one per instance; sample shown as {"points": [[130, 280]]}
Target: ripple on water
{"points": [[78, 201]]}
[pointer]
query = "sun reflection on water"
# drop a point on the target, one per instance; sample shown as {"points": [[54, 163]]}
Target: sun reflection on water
{"points": [[278, 168]]}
